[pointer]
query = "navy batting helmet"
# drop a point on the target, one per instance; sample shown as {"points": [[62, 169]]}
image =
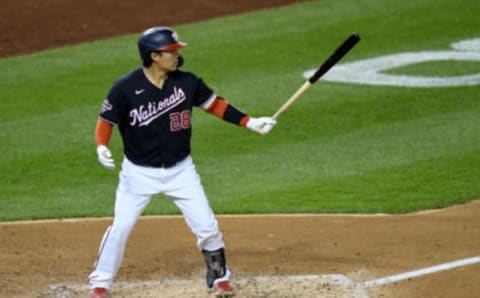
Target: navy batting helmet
{"points": [[157, 39]]}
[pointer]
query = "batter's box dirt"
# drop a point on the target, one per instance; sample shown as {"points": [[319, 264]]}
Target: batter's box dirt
{"points": [[327, 286]]}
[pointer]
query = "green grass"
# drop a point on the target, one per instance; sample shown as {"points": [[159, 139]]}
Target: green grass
{"points": [[340, 148]]}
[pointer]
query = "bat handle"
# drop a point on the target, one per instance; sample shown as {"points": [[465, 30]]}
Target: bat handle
{"points": [[292, 99]]}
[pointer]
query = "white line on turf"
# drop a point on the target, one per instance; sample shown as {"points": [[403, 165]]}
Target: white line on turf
{"points": [[358, 289], [335, 279], [420, 272], [339, 279], [358, 292]]}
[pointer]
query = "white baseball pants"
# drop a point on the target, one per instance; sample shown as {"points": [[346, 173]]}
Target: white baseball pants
{"points": [[137, 185]]}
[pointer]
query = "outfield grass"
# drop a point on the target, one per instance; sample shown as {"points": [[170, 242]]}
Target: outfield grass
{"points": [[340, 148]]}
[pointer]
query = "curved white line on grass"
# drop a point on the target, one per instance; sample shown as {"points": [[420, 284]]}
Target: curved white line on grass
{"points": [[419, 272], [372, 71], [467, 45]]}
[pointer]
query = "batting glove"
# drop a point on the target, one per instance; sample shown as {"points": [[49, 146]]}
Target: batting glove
{"points": [[262, 125], [105, 157]]}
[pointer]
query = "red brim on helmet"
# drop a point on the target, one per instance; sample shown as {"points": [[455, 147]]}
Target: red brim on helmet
{"points": [[172, 47]]}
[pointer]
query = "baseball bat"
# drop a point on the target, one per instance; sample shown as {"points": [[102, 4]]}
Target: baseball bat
{"points": [[343, 49]]}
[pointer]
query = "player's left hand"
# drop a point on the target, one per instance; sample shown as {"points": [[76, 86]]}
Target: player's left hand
{"points": [[261, 125]]}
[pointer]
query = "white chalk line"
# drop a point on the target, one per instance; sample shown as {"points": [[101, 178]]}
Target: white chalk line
{"points": [[358, 288], [336, 279], [420, 272]]}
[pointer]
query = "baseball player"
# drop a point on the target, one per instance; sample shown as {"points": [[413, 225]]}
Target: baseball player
{"points": [[152, 107]]}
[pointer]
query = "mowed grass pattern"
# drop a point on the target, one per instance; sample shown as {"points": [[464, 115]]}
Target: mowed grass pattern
{"points": [[340, 148]]}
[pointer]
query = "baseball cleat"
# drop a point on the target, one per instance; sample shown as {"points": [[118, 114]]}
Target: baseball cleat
{"points": [[223, 289], [99, 293]]}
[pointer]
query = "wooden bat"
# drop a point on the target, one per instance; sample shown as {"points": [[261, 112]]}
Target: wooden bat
{"points": [[343, 49]]}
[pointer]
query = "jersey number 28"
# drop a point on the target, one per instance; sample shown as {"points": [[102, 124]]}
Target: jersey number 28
{"points": [[180, 120]]}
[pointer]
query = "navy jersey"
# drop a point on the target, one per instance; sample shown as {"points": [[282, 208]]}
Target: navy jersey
{"points": [[155, 124]]}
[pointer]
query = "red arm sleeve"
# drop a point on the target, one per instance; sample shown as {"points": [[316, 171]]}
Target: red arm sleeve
{"points": [[222, 109], [103, 132]]}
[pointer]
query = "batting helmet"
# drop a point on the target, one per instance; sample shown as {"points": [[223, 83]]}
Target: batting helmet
{"points": [[157, 39]]}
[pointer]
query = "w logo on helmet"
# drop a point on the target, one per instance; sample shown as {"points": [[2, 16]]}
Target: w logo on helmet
{"points": [[158, 39]]}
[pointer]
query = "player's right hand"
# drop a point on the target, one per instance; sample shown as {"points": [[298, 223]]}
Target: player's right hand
{"points": [[105, 157]]}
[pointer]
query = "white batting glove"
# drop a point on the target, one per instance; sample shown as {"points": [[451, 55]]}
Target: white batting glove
{"points": [[105, 157], [262, 125]]}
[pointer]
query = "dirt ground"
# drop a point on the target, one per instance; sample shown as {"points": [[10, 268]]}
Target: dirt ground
{"points": [[270, 255], [37, 256]]}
